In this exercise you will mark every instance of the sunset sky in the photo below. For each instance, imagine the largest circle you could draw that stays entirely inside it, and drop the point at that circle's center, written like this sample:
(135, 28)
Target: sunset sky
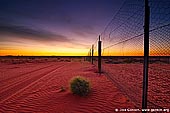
(52, 27)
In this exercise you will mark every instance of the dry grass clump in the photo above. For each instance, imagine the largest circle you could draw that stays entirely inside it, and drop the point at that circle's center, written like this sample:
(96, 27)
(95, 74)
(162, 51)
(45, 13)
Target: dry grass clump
(80, 86)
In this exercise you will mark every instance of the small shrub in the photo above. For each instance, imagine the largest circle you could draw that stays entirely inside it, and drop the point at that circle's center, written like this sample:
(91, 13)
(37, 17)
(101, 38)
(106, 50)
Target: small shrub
(80, 86)
(62, 88)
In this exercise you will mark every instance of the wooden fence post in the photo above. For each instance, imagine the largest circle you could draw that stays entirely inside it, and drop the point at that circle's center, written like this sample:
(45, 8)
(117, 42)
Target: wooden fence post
(92, 51)
(99, 55)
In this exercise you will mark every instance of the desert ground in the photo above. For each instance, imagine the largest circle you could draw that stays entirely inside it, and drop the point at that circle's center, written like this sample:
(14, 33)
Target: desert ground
(128, 78)
(36, 85)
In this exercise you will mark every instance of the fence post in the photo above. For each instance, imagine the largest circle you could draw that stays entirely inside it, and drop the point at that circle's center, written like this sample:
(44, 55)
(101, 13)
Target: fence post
(99, 55)
(90, 56)
(92, 51)
(146, 55)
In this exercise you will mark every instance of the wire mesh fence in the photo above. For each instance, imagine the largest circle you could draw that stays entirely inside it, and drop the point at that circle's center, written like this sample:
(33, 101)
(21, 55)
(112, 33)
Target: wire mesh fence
(123, 51)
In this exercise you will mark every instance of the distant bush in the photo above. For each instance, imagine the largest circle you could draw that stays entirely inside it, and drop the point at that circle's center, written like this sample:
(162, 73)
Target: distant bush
(80, 86)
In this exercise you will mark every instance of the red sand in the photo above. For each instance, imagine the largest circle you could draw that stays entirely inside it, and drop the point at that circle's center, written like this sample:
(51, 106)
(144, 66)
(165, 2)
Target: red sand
(128, 78)
(36, 87)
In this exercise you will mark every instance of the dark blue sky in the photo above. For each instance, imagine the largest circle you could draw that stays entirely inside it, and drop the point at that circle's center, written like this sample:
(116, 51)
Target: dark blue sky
(54, 23)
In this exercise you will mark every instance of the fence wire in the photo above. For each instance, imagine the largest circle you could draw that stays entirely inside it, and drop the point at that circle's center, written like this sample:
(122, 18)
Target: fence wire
(123, 50)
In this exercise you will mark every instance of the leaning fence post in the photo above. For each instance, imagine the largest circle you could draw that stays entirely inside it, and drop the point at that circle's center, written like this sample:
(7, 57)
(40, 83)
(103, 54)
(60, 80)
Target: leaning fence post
(99, 55)
(92, 51)
(146, 55)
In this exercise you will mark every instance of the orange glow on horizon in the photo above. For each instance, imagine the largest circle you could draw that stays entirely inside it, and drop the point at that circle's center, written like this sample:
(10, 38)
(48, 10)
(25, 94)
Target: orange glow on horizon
(73, 52)
(43, 53)
(76, 51)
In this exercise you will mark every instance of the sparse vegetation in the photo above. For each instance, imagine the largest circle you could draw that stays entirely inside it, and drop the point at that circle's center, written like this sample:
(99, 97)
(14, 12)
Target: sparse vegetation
(80, 86)
(62, 89)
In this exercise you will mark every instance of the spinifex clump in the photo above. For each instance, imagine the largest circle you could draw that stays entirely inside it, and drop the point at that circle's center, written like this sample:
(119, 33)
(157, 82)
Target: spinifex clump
(80, 86)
